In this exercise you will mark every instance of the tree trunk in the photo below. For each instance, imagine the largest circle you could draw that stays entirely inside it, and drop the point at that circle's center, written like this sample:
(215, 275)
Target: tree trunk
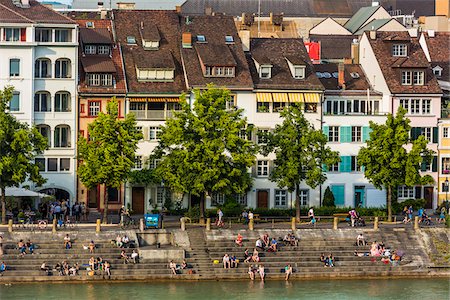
(3, 205)
(297, 203)
(202, 208)
(105, 206)
(389, 203)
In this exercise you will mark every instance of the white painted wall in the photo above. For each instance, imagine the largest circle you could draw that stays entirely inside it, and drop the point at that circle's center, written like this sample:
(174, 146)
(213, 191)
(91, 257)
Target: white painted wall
(329, 27)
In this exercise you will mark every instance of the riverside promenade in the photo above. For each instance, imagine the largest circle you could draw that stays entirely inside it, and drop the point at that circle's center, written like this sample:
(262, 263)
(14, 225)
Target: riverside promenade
(426, 251)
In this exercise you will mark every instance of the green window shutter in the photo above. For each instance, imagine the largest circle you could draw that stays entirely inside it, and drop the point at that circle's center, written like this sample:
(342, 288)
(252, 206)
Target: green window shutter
(345, 134)
(326, 130)
(435, 135)
(339, 194)
(415, 133)
(346, 162)
(434, 164)
(366, 130)
(423, 166)
(324, 168)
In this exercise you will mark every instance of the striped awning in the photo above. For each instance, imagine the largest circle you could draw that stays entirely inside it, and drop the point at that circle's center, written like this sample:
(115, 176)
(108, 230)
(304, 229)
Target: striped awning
(296, 97)
(312, 97)
(138, 99)
(155, 99)
(264, 97)
(280, 97)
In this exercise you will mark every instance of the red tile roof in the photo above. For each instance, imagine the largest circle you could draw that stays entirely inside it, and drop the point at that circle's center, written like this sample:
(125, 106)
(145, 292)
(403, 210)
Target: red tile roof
(439, 49)
(97, 64)
(36, 13)
(96, 35)
(391, 66)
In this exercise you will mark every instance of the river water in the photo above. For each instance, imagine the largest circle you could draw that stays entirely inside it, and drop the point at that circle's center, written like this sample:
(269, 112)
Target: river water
(423, 289)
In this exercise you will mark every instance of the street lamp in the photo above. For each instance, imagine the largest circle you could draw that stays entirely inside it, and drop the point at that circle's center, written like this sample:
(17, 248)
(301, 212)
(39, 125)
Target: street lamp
(446, 188)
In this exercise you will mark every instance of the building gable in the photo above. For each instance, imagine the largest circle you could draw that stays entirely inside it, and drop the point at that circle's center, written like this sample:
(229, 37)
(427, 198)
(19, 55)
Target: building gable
(329, 27)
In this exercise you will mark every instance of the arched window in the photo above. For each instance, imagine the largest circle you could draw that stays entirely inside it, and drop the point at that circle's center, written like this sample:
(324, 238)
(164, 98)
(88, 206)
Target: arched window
(62, 136)
(42, 68)
(62, 102)
(42, 101)
(63, 68)
(45, 131)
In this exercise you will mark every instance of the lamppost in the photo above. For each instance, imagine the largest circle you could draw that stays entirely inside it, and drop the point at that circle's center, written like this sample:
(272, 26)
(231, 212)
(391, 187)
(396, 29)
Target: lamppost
(446, 188)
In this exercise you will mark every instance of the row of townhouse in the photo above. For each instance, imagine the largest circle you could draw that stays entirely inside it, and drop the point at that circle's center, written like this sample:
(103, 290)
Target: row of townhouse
(148, 59)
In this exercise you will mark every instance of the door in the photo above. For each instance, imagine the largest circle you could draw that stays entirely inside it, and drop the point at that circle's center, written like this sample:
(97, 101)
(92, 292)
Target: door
(359, 196)
(428, 196)
(263, 199)
(93, 198)
(138, 200)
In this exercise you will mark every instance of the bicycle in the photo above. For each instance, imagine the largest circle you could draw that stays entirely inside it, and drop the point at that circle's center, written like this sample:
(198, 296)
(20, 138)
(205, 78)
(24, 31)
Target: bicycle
(128, 223)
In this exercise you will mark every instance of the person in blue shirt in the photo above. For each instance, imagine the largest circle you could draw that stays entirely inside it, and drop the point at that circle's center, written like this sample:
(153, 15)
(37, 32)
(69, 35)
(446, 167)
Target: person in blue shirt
(2, 268)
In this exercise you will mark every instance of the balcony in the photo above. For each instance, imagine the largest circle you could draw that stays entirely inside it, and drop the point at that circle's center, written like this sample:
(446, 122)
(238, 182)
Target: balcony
(152, 114)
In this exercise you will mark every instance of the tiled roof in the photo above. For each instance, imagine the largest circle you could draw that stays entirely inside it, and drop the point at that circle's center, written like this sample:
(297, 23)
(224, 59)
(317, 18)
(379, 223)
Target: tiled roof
(95, 36)
(357, 82)
(127, 23)
(416, 7)
(139, 4)
(97, 64)
(391, 66)
(334, 46)
(36, 13)
(115, 59)
(375, 24)
(215, 52)
(361, 16)
(278, 50)
(439, 49)
(149, 32)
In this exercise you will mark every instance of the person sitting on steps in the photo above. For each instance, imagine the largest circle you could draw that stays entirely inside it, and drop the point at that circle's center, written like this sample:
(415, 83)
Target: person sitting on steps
(67, 242)
(239, 240)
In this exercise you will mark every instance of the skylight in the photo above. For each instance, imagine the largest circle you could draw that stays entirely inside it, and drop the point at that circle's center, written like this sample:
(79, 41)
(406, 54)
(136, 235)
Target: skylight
(229, 39)
(201, 39)
(131, 40)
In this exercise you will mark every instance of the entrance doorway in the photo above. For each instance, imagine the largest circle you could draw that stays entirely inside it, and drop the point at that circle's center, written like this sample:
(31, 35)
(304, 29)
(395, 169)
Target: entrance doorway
(93, 198)
(59, 194)
(137, 199)
(359, 196)
(263, 199)
(428, 196)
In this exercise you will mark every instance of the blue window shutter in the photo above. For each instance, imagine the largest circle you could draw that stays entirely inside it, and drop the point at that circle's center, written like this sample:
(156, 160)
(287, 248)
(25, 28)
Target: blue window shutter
(339, 194)
(345, 164)
(366, 133)
(435, 135)
(326, 130)
(345, 134)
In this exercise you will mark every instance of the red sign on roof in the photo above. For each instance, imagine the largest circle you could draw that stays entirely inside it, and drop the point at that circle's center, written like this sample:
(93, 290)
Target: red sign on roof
(313, 50)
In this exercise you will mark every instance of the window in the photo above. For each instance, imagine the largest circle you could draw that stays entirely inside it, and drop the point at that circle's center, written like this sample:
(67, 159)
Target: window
(229, 39)
(418, 77)
(406, 78)
(405, 104)
(262, 107)
(90, 49)
(261, 137)
(265, 72)
(354, 167)
(399, 50)
(208, 71)
(62, 136)
(94, 108)
(241, 199)
(356, 133)
(103, 50)
(155, 74)
(217, 199)
(14, 104)
(89, 24)
(280, 198)
(93, 79)
(138, 162)
(62, 102)
(162, 194)
(154, 163)
(426, 106)
(42, 68)
(437, 71)
(43, 35)
(154, 133)
(139, 129)
(52, 164)
(445, 165)
(42, 102)
(333, 134)
(299, 72)
(405, 192)
(304, 197)
(62, 35)
(131, 40)
(14, 67)
(310, 107)
(262, 168)
(64, 164)
(106, 79)
(445, 132)
(427, 133)
(218, 71)
(12, 34)
(334, 167)
(62, 68)
(201, 39)
(40, 162)
(44, 130)
(415, 106)
(340, 107)
(279, 106)
(113, 194)
(229, 71)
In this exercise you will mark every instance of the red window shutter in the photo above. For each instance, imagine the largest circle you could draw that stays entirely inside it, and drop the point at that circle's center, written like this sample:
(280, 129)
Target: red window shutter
(82, 108)
(23, 34)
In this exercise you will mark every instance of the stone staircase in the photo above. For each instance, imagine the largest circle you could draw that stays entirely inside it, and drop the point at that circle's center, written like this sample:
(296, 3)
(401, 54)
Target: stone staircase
(198, 254)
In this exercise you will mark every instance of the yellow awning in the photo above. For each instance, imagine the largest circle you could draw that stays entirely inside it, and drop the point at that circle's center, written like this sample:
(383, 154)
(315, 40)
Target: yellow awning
(296, 97)
(312, 97)
(280, 97)
(155, 99)
(264, 97)
(138, 99)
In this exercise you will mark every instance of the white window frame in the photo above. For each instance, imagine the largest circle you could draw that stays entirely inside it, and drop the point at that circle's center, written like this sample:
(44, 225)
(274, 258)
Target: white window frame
(39, 70)
(64, 64)
(154, 163)
(15, 95)
(60, 142)
(61, 168)
(63, 97)
(90, 49)
(93, 79)
(356, 134)
(103, 49)
(94, 108)
(399, 50)
(138, 162)
(14, 74)
(14, 34)
(60, 37)
(39, 96)
(299, 72)
(281, 198)
(427, 132)
(333, 134)
(304, 197)
(418, 77)
(445, 132)
(426, 106)
(261, 140)
(334, 168)
(153, 133)
(405, 192)
(407, 78)
(262, 168)
(263, 70)
(354, 167)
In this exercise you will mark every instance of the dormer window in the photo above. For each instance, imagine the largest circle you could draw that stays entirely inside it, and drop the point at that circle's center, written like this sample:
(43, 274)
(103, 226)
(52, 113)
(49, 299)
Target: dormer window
(131, 40)
(90, 49)
(265, 72)
(229, 39)
(155, 74)
(399, 50)
(413, 77)
(201, 39)
(437, 71)
(150, 45)
(299, 72)
(89, 24)
(213, 71)
(297, 66)
(103, 49)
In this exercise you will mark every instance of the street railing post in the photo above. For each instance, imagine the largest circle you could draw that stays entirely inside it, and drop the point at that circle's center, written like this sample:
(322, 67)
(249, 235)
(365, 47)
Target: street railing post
(98, 226)
(335, 223)
(208, 224)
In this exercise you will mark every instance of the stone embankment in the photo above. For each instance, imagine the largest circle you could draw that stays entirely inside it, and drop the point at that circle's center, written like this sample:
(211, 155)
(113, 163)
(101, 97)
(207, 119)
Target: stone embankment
(426, 254)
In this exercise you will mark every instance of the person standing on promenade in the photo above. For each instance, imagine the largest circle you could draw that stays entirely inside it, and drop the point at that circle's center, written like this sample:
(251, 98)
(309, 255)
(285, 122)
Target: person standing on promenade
(1, 245)
(220, 216)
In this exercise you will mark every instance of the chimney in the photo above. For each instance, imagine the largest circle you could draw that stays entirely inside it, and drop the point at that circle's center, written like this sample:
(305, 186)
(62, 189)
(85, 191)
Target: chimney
(245, 38)
(355, 52)
(100, 5)
(186, 40)
(178, 8)
(341, 80)
(208, 11)
(271, 18)
(373, 35)
(25, 3)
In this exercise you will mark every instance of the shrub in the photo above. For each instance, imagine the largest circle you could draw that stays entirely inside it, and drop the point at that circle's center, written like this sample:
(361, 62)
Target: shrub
(328, 198)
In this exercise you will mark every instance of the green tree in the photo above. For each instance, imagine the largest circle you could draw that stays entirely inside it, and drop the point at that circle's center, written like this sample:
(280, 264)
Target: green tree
(107, 158)
(300, 151)
(328, 198)
(19, 145)
(202, 149)
(387, 162)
